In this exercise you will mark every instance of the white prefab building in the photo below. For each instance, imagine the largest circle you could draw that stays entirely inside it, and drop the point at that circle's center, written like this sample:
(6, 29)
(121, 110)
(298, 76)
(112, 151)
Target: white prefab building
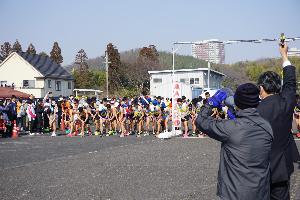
(35, 74)
(193, 81)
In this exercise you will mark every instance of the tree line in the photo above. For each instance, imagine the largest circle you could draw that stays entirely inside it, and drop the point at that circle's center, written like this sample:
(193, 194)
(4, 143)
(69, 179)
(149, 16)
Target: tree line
(126, 78)
(6, 49)
(128, 71)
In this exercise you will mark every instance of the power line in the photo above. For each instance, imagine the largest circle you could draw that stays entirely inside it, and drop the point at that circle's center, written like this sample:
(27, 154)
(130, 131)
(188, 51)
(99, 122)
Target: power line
(288, 39)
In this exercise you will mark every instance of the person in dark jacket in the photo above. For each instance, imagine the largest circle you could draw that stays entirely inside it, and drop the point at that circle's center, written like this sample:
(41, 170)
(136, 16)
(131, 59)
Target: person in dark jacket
(39, 110)
(277, 107)
(244, 169)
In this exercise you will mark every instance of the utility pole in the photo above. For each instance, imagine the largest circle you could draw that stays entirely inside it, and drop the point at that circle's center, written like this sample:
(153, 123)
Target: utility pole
(106, 66)
(208, 74)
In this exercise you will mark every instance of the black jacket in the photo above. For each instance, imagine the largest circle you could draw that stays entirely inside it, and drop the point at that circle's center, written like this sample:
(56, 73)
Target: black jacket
(244, 170)
(278, 110)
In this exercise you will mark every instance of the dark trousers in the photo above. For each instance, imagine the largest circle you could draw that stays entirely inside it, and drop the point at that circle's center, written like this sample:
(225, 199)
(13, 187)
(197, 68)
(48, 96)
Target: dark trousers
(39, 123)
(31, 124)
(46, 121)
(280, 191)
(59, 113)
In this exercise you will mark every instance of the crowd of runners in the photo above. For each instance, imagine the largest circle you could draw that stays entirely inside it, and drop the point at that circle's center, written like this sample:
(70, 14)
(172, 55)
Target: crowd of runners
(142, 115)
(73, 116)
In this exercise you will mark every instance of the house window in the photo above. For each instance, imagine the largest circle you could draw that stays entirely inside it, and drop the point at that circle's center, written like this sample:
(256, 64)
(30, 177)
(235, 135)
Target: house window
(3, 83)
(183, 80)
(29, 83)
(196, 80)
(49, 83)
(192, 81)
(69, 85)
(157, 80)
(58, 85)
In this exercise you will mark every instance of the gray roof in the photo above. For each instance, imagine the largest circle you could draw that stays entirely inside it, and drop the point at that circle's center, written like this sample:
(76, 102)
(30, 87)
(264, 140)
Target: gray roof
(46, 66)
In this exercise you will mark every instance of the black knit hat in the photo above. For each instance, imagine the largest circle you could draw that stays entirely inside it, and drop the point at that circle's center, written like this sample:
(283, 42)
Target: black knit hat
(246, 96)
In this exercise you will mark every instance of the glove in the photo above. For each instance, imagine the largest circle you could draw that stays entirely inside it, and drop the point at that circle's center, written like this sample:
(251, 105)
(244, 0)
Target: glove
(216, 100)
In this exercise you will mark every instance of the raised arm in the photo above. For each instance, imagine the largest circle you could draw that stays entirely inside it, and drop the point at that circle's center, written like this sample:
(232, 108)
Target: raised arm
(289, 78)
(214, 128)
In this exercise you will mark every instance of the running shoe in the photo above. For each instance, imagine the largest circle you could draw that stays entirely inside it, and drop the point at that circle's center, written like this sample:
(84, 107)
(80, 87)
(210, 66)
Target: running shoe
(81, 134)
(69, 135)
(146, 133)
(53, 134)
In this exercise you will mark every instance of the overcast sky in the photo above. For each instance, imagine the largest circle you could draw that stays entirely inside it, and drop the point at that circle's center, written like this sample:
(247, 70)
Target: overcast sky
(128, 24)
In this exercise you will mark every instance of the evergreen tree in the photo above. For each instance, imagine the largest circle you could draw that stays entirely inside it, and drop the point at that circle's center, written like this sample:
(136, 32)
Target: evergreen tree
(80, 60)
(5, 50)
(31, 49)
(17, 47)
(55, 54)
(114, 68)
(84, 79)
(43, 53)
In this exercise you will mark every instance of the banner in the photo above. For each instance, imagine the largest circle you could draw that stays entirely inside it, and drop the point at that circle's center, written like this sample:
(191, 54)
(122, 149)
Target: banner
(176, 120)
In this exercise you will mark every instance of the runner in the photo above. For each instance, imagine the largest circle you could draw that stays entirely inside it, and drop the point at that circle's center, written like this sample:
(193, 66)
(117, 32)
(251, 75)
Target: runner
(138, 117)
(184, 114)
(52, 117)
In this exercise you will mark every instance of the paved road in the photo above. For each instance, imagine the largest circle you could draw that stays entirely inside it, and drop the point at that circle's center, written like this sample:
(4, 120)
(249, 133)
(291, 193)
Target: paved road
(41, 167)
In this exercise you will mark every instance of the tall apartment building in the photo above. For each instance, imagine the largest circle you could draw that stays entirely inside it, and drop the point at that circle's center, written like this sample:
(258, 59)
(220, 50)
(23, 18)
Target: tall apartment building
(211, 51)
(294, 52)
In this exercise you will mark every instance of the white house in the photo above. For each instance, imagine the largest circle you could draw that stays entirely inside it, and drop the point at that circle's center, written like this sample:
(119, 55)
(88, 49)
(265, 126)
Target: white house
(193, 81)
(35, 74)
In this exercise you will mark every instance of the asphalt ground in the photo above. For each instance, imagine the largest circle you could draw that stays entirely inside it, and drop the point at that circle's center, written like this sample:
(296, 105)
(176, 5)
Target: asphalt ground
(42, 167)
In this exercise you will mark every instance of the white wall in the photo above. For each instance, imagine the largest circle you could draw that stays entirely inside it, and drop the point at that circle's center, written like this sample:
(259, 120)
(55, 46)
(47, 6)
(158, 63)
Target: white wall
(15, 70)
(165, 87)
(64, 87)
(165, 90)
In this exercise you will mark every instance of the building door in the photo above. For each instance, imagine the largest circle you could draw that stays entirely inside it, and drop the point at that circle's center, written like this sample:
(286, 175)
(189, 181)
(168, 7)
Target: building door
(196, 92)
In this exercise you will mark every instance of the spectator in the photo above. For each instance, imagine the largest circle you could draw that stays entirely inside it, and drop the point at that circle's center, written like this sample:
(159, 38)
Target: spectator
(277, 107)
(244, 170)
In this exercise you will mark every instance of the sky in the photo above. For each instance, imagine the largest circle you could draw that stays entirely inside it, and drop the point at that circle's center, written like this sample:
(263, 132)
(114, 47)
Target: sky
(130, 24)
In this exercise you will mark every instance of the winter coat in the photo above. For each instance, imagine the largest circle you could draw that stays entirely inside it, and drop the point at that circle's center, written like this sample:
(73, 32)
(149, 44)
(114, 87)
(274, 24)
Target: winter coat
(244, 169)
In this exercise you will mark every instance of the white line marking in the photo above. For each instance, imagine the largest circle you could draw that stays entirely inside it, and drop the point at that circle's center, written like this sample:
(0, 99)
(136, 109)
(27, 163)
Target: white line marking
(192, 137)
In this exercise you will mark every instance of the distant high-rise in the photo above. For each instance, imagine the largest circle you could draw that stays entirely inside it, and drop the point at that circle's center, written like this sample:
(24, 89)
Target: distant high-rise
(294, 52)
(210, 50)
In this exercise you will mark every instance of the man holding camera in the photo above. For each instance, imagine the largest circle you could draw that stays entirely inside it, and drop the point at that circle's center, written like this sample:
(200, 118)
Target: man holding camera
(244, 169)
(277, 107)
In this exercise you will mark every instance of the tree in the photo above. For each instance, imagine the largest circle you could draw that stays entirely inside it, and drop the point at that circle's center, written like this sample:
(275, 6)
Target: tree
(31, 49)
(5, 50)
(55, 54)
(84, 79)
(43, 53)
(147, 60)
(81, 60)
(114, 71)
(253, 72)
(17, 47)
(100, 79)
